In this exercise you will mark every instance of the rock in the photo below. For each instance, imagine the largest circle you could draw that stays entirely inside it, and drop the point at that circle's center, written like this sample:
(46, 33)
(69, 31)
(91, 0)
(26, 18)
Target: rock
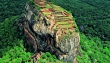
(53, 31)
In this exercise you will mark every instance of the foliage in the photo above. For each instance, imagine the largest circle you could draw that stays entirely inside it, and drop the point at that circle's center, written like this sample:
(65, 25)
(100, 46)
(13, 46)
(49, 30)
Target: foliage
(48, 58)
(93, 51)
(10, 8)
(11, 43)
(8, 30)
(16, 55)
(11, 46)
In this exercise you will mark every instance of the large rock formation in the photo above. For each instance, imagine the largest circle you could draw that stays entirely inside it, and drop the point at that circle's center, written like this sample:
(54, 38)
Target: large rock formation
(49, 27)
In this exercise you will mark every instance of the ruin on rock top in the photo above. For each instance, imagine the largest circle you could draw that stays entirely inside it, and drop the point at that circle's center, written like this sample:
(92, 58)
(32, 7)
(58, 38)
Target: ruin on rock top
(50, 28)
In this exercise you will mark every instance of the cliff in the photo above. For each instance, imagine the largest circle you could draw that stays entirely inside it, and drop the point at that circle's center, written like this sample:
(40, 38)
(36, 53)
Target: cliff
(46, 24)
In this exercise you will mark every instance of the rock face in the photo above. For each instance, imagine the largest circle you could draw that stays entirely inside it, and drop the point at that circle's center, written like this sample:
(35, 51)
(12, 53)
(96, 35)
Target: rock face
(48, 27)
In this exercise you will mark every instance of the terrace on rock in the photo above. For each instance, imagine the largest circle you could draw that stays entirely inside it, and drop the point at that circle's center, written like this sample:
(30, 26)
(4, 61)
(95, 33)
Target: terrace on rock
(52, 27)
(61, 21)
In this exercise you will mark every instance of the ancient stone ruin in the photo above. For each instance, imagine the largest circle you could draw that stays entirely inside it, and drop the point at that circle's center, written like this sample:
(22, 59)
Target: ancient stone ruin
(48, 27)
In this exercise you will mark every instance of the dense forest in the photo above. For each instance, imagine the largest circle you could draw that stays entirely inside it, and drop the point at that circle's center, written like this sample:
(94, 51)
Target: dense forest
(11, 44)
(91, 16)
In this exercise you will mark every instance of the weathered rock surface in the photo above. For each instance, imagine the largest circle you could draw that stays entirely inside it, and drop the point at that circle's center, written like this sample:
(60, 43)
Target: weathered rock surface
(50, 28)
